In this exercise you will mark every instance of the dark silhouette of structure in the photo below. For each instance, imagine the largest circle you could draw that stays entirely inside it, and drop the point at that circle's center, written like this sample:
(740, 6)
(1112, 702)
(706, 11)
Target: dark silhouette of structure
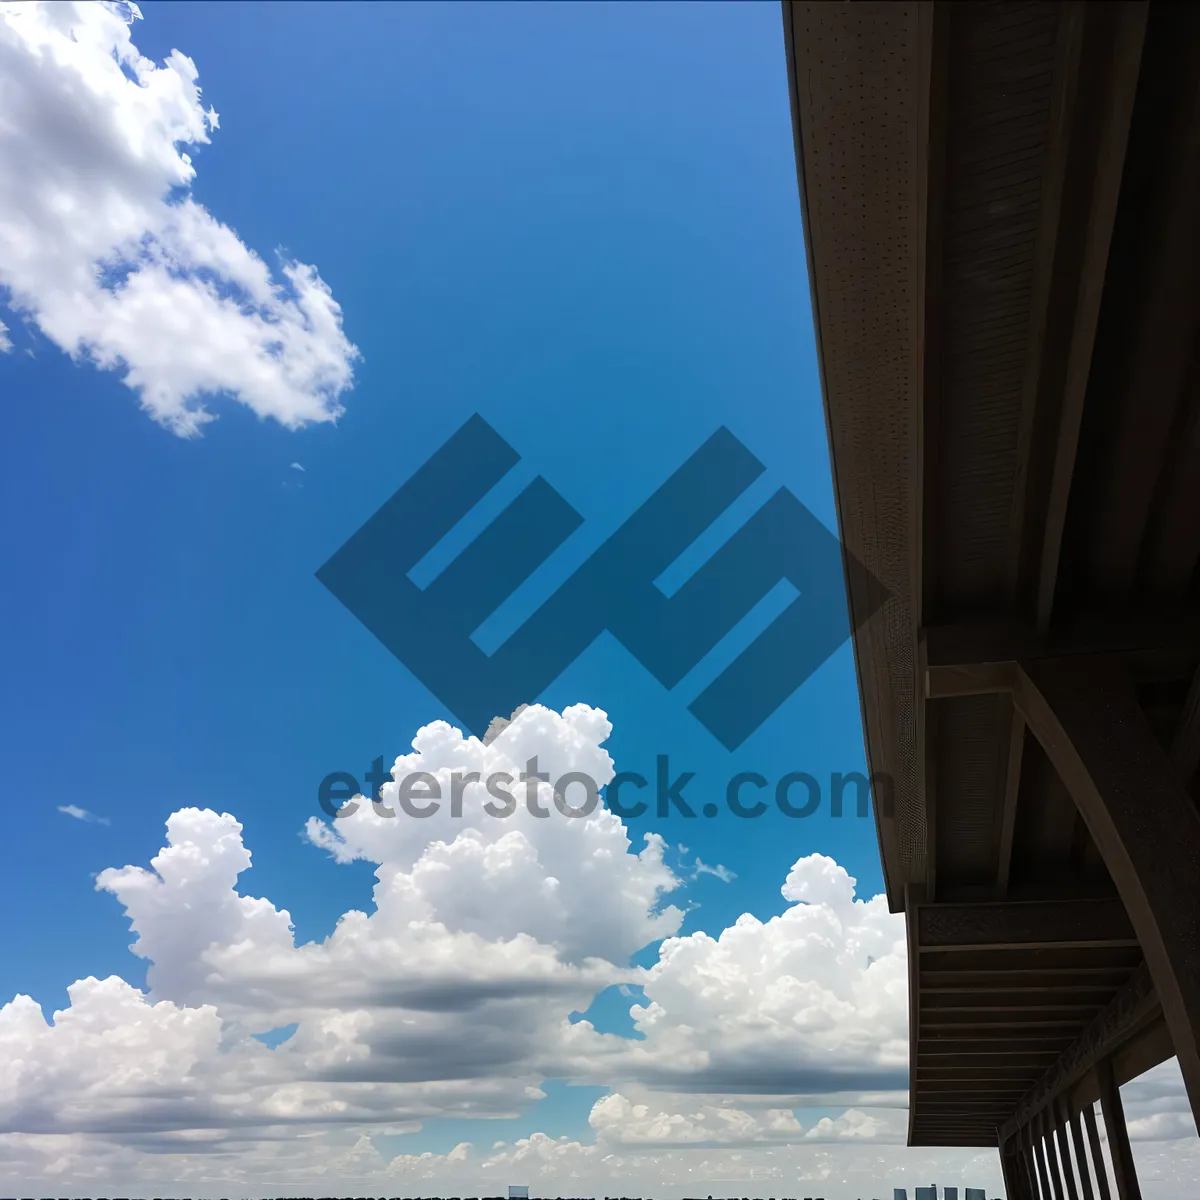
(1002, 216)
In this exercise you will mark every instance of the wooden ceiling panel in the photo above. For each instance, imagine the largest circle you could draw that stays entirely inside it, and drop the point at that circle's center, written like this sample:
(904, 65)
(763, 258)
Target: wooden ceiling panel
(1002, 216)
(998, 104)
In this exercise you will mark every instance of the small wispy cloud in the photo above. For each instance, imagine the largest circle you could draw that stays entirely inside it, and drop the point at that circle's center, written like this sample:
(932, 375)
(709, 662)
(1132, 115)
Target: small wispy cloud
(297, 467)
(724, 874)
(82, 814)
(5, 340)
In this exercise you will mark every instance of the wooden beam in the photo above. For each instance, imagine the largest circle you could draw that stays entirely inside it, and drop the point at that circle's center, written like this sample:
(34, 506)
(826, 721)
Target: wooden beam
(1142, 819)
(1131, 1010)
(963, 1115)
(979, 679)
(914, 894)
(946, 1107)
(1008, 787)
(1002, 1036)
(976, 658)
(1033, 1064)
(966, 643)
(1020, 963)
(1010, 992)
(1185, 747)
(933, 46)
(1065, 85)
(995, 1093)
(866, 335)
(932, 70)
(1044, 1050)
(979, 1009)
(1013, 924)
(1016, 1073)
(1124, 1169)
(927, 748)
(982, 1125)
(1158, 317)
(1044, 979)
(1069, 990)
(981, 1134)
(1101, 136)
(1174, 541)
(936, 1139)
(1009, 1025)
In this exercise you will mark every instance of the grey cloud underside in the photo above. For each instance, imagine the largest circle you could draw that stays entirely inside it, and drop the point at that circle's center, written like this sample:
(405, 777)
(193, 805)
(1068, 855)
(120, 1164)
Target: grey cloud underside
(775, 1080)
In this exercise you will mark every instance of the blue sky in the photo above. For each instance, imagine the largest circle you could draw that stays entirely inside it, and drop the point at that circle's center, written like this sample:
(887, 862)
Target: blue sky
(580, 221)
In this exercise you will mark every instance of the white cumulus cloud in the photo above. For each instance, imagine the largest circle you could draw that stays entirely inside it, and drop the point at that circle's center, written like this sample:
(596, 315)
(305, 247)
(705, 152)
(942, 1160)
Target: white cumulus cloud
(771, 1057)
(104, 249)
(812, 1002)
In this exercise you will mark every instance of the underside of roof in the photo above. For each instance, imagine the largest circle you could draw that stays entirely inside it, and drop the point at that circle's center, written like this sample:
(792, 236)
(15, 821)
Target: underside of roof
(1002, 216)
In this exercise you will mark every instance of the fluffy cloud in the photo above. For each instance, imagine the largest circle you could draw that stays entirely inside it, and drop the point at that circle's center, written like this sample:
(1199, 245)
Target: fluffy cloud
(452, 998)
(104, 249)
(567, 882)
(772, 1054)
(809, 1003)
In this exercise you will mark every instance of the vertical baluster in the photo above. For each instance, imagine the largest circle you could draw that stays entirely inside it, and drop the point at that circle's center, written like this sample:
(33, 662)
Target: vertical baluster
(1039, 1152)
(1085, 1178)
(1030, 1165)
(1101, 1171)
(1047, 1123)
(1064, 1154)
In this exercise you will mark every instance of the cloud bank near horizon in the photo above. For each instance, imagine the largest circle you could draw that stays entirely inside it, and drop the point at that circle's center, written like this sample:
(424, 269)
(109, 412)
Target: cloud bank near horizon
(775, 1051)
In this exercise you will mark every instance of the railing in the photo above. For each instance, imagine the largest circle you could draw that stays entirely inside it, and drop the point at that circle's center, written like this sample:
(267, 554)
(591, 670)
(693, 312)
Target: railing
(1057, 1154)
